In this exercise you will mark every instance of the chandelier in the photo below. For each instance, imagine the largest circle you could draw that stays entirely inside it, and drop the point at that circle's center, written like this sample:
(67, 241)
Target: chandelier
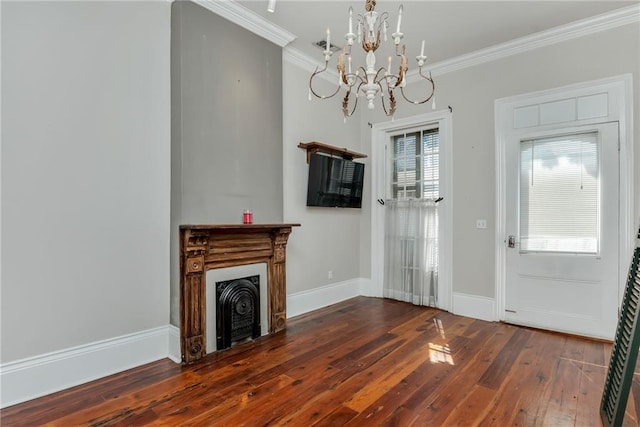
(368, 81)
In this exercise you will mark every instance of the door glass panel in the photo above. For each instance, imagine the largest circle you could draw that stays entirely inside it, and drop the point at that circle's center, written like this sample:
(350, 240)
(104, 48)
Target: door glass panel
(559, 194)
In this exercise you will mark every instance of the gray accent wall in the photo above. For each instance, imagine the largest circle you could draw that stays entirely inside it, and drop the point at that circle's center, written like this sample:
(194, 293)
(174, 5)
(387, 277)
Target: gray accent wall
(226, 120)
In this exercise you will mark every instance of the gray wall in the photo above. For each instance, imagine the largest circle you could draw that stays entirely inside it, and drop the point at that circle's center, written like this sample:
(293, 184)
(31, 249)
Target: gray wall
(85, 173)
(226, 140)
(472, 92)
(330, 238)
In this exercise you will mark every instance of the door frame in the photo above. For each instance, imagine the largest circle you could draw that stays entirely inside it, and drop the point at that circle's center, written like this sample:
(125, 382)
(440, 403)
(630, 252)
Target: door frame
(515, 116)
(380, 136)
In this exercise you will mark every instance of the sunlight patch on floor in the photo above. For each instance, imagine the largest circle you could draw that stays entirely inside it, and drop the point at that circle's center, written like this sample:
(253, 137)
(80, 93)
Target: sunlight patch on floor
(440, 354)
(439, 328)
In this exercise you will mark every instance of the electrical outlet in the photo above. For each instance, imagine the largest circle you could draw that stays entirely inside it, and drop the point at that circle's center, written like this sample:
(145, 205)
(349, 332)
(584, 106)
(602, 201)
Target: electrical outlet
(330, 274)
(481, 223)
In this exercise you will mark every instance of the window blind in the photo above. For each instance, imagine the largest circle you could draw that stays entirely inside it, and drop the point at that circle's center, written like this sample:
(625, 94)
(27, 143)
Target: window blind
(416, 165)
(559, 194)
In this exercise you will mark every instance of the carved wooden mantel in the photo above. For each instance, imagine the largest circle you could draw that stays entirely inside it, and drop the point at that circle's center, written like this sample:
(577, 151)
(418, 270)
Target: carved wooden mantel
(205, 247)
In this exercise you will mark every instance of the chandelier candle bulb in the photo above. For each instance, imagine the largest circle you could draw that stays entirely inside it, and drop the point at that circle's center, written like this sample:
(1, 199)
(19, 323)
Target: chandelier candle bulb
(350, 20)
(349, 64)
(389, 66)
(399, 19)
(422, 49)
(328, 40)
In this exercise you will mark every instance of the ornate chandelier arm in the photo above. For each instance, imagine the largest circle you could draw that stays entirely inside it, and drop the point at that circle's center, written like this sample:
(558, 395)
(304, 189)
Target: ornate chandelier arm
(433, 89)
(348, 78)
(311, 84)
(390, 80)
(380, 78)
(345, 103)
(392, 101)
(402, 68)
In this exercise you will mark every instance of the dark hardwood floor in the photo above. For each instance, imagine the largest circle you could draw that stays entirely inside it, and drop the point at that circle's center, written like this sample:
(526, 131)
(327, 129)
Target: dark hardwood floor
(363, 362)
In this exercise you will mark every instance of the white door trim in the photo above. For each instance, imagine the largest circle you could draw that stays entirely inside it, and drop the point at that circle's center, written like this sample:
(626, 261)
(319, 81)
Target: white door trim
(620, 108)
(380, 135)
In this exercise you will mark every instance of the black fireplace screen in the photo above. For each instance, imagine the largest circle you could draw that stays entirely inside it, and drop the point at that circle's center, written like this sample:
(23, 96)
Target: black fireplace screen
(237, 311)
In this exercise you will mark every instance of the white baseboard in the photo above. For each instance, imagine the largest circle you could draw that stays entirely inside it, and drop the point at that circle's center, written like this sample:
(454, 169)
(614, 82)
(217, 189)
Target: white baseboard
(474, 306)
(367, 288)
(37, 376)
(306, 301)
(174, 344)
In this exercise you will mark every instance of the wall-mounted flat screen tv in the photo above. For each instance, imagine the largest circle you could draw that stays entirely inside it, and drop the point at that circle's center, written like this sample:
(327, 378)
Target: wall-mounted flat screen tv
(334, 182)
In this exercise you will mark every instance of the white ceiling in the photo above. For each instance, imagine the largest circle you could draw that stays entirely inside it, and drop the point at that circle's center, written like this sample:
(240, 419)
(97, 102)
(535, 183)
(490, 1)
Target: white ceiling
(451, 28)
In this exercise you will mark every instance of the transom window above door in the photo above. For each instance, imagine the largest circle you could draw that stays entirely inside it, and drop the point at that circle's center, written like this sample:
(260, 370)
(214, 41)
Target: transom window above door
(416, 165)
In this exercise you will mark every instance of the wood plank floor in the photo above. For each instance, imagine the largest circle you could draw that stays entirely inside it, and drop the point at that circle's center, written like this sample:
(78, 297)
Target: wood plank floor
(362, 362)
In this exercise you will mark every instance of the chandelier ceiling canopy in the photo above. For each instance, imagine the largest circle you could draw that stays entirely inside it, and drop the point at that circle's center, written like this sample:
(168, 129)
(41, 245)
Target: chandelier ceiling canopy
(369, 80)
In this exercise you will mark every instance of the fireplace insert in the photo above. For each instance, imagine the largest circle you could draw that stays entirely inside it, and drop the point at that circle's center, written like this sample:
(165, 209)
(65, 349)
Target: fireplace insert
(237, 311)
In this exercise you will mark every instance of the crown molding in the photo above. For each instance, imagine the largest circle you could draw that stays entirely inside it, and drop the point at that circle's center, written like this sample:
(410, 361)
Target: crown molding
(584, 27)
(255, 23)
(249, 20)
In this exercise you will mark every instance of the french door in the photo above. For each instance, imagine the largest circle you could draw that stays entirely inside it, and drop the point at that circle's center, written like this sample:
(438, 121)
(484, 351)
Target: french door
(387, 184)
(562, 245)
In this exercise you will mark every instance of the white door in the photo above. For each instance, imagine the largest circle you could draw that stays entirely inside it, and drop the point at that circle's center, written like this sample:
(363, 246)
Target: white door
(562, 198)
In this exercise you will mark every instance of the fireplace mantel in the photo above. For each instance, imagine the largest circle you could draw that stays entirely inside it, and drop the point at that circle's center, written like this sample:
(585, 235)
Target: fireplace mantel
(206, 247)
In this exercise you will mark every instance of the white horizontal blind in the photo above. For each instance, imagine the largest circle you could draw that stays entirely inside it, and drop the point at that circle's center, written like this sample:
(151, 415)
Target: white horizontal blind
(430, 164)
(404, 178)
(416, 165)
(559, 194)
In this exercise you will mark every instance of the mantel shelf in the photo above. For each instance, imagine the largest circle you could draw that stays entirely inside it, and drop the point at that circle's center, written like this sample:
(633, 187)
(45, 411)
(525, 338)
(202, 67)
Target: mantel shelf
(319, 147)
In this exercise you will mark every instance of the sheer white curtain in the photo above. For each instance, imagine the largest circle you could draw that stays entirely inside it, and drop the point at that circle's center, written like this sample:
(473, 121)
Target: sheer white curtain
(411, 251)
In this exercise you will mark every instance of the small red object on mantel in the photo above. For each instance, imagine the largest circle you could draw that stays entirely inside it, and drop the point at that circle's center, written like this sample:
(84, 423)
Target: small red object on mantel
(247, 217)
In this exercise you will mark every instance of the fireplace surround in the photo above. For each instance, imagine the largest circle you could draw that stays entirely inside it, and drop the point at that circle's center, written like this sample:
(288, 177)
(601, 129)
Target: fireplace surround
(207, 247)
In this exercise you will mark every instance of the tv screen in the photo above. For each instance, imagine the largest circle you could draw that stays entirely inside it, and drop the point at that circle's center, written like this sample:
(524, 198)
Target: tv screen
(334, 182)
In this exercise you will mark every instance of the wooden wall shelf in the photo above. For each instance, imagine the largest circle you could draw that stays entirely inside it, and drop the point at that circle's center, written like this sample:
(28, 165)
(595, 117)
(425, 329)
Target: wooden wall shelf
(319, 147)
